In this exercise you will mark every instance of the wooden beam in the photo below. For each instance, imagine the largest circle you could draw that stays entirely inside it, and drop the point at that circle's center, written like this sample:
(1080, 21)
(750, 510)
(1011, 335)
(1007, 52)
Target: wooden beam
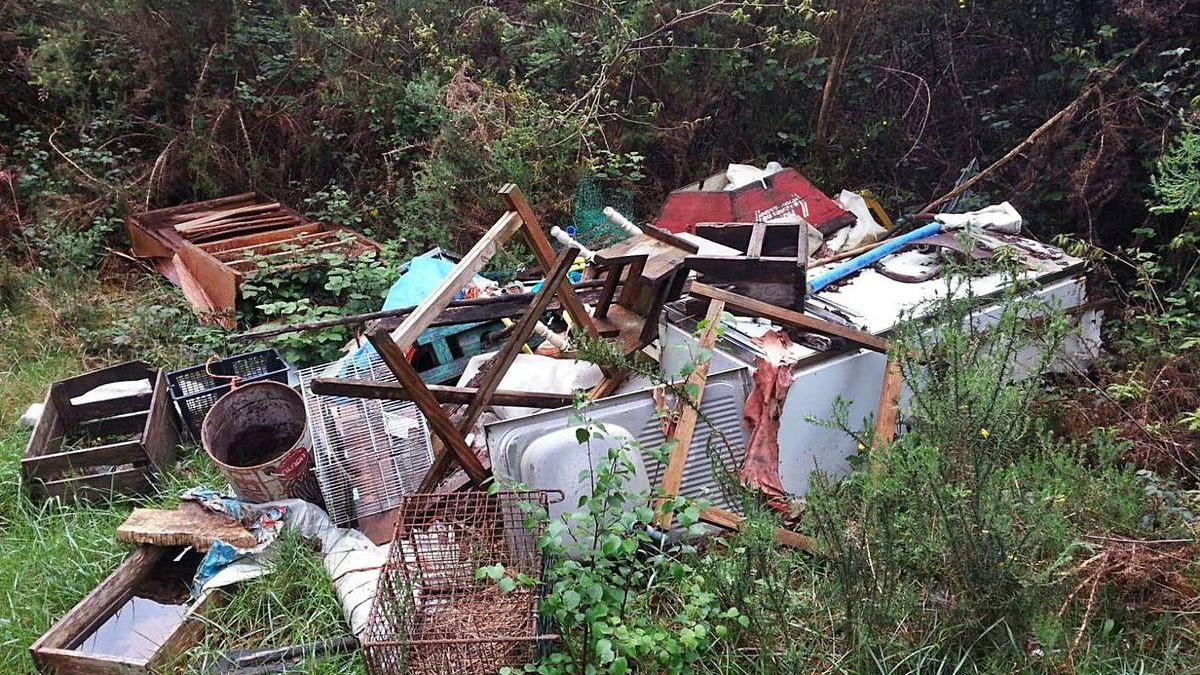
(393, 357)
(886, 416)
(790, 318)
(544, 253)
(470, 264)
(689, 413)
(502, 361)
(732, 521)
(470, 310)
(392, 391)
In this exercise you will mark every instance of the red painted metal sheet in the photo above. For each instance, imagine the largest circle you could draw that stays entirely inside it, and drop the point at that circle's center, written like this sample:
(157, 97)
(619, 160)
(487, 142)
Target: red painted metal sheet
(779, 194)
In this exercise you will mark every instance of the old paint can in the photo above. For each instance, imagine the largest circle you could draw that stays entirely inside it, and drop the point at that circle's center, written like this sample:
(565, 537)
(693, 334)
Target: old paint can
(257, 435)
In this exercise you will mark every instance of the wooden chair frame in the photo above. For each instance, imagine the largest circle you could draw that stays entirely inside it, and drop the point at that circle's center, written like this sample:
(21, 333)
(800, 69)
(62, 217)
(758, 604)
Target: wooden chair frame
(391, 347)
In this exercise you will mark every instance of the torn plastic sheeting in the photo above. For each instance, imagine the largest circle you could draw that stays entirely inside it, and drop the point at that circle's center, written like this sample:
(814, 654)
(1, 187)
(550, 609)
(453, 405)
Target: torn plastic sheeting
(420, 277)
(350, 559)
(864, 231)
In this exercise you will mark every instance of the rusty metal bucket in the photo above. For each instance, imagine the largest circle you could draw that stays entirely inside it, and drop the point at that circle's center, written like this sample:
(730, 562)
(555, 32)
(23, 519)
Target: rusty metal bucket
(257, 435)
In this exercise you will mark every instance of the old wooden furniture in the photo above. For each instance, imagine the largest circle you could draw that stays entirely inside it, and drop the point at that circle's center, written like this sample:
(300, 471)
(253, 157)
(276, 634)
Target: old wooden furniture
(649, 269)
(773, 269)
(95, 449)
(391, 346)
(138, 620)
(208, 248)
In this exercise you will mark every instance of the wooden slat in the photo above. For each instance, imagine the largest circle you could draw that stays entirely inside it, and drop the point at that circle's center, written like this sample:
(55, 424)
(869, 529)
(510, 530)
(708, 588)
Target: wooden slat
(110, 407)
(192, 225)
(393, 357)
(790, 318)
(689, 413)
(127, 481)
(502, 361)
(758, 234)
(274, 237)
(887, 414)
(50, 466)
(161, 436)
(732, 521)
(392, 391)
(132, 423)
(467, 267)
(544, 253)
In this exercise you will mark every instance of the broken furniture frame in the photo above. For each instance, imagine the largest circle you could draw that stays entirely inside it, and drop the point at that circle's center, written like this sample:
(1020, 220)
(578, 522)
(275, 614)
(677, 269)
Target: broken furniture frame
(207, 248)
(58, 649)
(519, 218)
(680, 441)
(778, 278)
(125, 467)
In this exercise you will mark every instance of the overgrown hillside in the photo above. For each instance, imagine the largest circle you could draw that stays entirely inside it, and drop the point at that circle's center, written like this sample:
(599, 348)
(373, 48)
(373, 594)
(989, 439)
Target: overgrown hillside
(1050, 530)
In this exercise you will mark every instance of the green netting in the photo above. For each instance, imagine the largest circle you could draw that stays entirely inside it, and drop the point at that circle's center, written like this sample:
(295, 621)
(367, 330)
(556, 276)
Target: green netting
(592, 229)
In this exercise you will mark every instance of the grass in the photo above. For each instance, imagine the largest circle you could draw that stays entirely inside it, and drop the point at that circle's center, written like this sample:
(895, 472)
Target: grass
(53, 554)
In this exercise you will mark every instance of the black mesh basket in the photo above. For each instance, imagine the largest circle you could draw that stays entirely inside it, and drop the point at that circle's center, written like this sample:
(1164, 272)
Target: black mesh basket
(195, 391)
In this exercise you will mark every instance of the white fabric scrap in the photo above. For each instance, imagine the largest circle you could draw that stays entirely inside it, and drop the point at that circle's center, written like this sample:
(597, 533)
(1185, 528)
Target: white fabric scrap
(1002, 218)
(351, 560)
(537, 373)
(104, 392)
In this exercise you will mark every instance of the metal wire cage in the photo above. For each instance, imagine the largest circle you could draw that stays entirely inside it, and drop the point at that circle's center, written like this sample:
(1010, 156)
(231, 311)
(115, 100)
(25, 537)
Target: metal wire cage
(367, 454)
(433, 612)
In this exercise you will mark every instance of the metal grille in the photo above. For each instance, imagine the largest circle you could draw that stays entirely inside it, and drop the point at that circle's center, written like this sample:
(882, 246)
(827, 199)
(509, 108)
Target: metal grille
(431, 613)
(367, 453)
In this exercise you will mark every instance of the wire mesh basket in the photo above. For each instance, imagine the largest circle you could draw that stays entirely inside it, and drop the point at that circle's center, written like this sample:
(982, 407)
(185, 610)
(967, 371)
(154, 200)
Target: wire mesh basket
(367, 453)
(433, 613)
(196, 388)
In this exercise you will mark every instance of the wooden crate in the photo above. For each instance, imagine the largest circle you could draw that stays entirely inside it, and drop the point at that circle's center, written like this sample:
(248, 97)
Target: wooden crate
(149, 572)
(209, 266)
(125, 467)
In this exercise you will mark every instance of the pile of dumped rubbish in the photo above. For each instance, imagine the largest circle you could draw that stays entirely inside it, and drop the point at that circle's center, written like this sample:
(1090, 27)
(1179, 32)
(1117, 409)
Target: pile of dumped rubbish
(753, 300)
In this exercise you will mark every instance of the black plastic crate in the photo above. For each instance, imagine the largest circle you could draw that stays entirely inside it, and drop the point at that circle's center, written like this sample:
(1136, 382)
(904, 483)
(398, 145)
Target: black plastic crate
(195, 390)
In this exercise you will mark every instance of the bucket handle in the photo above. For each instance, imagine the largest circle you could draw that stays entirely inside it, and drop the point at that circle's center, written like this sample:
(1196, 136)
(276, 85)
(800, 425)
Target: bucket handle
(234, 380)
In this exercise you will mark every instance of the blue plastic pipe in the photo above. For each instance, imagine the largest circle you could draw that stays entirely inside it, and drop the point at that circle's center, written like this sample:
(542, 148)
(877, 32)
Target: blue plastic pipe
(885, 249)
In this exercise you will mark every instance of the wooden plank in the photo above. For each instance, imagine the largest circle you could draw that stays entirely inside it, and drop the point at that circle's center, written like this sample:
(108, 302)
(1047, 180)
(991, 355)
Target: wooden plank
(51, 466)
(689, 413)
(99, 603)
(102, 486)
(160, 438)
(790, 318)
(393, 357)
(732, 521)
(111, 407)
(192, 225)
(122, 372)
(544, 253)
(502, 361)
(131, 423)
(758, 234)
(392, 391)
(470, 264)
(887, 414)
(274, 237)
(189, 525)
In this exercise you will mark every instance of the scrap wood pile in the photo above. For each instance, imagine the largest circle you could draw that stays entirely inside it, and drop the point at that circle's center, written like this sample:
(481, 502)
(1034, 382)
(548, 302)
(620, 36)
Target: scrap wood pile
(397, 439)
